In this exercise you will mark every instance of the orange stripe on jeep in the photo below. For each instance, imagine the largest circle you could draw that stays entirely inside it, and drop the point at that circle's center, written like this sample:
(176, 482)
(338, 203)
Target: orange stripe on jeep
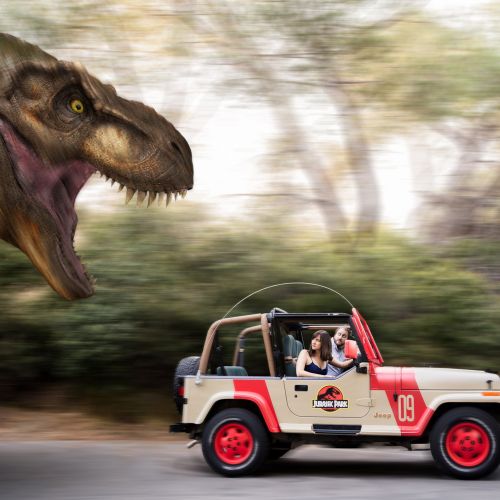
(256, 391)
(410, 411)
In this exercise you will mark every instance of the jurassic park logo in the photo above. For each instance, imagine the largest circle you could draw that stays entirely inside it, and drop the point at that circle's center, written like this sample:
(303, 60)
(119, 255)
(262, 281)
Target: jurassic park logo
(330, 398)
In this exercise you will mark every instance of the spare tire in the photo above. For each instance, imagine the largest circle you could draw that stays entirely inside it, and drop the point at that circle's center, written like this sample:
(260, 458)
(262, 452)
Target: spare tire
(186, 366)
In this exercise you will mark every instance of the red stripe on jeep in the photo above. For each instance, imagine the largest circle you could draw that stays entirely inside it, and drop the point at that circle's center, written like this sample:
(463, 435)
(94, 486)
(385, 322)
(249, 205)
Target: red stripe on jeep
(410, 411)
(256, 391)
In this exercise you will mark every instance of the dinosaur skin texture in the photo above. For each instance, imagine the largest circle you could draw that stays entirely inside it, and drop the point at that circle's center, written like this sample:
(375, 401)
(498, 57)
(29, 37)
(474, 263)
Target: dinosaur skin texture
(59, 125)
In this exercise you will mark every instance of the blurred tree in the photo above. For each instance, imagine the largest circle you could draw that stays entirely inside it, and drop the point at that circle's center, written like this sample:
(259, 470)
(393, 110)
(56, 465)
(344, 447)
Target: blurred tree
(399, 70)
(444, 80)
(374, 70)
(290, 50)
(164, 281)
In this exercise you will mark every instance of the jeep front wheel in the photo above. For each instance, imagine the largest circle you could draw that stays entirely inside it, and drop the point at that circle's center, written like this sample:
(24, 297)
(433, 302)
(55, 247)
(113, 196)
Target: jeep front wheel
(235, 442)
(464, 443)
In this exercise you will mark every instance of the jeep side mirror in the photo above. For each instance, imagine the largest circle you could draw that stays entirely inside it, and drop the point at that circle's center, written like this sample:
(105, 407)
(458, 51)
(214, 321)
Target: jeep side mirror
(350, 349)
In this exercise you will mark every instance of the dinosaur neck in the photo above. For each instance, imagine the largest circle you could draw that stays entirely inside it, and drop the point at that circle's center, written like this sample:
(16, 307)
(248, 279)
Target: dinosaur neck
(7, 184)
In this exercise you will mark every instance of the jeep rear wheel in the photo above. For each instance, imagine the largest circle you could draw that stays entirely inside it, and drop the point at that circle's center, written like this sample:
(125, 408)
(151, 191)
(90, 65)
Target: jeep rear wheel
(464, 443)
(235, 442)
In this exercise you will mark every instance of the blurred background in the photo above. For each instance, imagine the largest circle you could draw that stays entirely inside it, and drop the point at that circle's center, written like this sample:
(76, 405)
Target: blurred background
(352, 143)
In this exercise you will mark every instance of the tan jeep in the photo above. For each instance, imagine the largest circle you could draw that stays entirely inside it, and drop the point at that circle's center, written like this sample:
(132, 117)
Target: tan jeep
(255, 408)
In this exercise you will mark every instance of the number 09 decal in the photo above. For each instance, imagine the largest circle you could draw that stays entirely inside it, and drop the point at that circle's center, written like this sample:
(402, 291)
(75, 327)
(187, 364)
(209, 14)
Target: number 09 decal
(406, 408)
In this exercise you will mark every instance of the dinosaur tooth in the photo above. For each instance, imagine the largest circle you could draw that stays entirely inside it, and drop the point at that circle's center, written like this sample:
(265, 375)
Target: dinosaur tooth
(140, 197)
(160, 198)
(183, 193)
(175, 195)
(151, 197)
(169, 199)
(130, 195)
(112, 182)
(121, 188)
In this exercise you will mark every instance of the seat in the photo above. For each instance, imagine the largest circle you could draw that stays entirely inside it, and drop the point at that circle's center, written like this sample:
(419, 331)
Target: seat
(290, 353)
(298, 347)
(233, 371)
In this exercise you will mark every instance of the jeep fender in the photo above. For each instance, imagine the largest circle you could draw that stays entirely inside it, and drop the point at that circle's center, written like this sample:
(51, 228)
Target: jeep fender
(219, 396)
(254, 391)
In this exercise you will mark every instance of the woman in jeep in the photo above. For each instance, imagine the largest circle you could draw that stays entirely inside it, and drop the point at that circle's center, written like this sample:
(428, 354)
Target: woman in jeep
(314, 362)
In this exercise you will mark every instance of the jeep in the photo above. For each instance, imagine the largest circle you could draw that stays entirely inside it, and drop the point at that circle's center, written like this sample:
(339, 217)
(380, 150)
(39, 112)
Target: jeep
(247, 406)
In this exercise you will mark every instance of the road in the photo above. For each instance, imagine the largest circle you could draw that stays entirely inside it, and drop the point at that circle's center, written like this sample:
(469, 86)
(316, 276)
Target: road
(83, 470)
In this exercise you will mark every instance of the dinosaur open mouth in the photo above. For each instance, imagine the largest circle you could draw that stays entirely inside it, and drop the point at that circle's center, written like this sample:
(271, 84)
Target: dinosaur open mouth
(49, 218)
(52, 189)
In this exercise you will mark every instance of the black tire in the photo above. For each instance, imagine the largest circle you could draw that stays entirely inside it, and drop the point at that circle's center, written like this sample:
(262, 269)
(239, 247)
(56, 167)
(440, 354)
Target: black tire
(243, 429)
(464, 443)
(186, 366)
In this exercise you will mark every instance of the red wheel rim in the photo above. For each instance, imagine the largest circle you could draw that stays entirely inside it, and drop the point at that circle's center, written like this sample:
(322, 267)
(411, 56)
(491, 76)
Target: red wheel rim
(468, 444)
(233, 443)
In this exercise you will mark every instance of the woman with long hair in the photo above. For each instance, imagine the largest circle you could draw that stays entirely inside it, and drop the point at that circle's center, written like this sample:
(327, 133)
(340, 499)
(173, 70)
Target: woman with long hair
(314, 362)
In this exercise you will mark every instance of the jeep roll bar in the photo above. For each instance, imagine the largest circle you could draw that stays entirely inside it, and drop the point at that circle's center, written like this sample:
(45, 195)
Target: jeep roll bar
(209, 340)
(239, 348)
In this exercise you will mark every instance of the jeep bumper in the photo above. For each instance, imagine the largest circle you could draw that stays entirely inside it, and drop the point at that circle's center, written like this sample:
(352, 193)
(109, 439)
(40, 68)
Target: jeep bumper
(179, 427)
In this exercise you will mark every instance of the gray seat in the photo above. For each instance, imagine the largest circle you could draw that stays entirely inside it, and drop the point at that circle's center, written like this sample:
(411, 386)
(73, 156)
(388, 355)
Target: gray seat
(233, 371)
(298, 347)
(290, 353)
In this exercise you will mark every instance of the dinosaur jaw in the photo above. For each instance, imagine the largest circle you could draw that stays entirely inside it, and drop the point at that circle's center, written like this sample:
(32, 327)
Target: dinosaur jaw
(45, 229)
(41, 213)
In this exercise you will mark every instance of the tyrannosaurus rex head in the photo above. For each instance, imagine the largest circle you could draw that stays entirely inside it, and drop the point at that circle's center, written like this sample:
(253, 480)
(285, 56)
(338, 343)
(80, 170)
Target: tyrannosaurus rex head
(59, 125)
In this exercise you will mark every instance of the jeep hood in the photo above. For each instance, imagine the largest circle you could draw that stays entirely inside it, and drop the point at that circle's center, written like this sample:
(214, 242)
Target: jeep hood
(450, 379)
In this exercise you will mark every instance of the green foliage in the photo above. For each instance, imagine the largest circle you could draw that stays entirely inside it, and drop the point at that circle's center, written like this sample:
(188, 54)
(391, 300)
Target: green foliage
(429, 72)
(164, 280)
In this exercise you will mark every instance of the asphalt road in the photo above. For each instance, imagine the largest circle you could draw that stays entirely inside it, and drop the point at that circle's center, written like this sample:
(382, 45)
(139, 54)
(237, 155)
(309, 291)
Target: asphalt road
(83, 470)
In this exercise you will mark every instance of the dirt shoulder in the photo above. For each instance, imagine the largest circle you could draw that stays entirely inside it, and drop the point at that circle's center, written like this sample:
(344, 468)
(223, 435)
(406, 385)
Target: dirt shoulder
(34, 425)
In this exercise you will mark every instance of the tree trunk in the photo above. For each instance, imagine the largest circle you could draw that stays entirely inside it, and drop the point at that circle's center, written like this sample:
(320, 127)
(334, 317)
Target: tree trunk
(360, 162)
(456, 208)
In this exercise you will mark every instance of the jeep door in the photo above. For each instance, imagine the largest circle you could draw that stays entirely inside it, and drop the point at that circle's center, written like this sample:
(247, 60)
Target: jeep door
(346, 396)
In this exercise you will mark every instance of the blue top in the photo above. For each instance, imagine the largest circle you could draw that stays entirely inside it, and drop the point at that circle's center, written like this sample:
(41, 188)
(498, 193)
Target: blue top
(312, 367)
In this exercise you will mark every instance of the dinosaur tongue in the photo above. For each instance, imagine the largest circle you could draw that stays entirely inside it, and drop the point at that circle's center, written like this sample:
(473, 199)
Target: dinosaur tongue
(54, 187)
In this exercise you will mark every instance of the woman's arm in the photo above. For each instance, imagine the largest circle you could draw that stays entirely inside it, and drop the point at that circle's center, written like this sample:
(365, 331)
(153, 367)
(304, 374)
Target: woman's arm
(301, 365)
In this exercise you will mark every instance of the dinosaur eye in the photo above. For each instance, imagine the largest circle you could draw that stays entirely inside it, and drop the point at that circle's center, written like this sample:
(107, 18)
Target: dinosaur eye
(76, 106)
